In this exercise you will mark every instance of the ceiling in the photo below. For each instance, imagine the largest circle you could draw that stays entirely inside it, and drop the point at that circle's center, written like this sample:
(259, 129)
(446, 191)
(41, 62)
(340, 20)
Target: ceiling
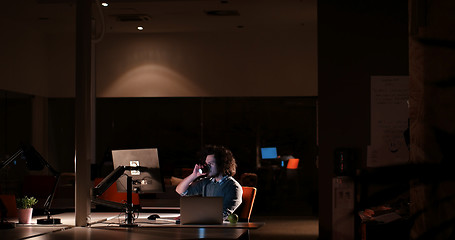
(123, 16)
(209, 15)
(260, 32)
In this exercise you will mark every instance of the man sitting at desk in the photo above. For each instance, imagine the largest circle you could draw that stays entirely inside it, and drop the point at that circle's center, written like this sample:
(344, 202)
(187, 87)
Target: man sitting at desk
(217, 181)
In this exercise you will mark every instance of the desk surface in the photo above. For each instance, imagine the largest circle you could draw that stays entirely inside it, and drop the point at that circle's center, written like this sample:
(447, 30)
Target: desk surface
(105, 225)
(109, 219)
(77, 233)
(167, 220)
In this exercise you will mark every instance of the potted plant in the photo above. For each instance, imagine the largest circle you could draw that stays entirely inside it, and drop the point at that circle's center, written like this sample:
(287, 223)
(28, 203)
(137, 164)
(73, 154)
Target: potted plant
(25, 209)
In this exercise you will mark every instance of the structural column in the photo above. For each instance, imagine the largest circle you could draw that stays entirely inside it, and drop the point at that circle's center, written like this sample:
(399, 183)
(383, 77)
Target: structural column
(432, 117)
(85, 104)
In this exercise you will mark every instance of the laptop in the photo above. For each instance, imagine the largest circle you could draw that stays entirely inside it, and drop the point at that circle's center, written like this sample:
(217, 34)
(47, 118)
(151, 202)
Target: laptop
(201, 210)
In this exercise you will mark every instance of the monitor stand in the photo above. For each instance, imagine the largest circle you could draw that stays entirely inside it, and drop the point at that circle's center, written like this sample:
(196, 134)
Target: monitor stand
(129, 204)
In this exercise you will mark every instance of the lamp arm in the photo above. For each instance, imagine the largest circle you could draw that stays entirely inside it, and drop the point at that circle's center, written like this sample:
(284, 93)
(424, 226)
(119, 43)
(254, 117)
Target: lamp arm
(35, 155)
(112, 177)
(44, 162)
(104, 185)
(12, 158)
(108, 181)
(99, 189)
(50, 198)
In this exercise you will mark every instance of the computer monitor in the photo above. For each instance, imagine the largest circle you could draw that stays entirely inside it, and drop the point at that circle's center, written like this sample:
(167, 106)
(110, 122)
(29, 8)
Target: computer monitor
(269, 153)
(146, 180)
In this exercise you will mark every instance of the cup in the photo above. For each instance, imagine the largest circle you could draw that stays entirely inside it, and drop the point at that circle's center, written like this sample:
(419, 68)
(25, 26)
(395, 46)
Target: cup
(204, 169)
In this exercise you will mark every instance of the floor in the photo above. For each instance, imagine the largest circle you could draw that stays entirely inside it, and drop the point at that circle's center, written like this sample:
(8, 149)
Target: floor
(286, 228)
(288, 213)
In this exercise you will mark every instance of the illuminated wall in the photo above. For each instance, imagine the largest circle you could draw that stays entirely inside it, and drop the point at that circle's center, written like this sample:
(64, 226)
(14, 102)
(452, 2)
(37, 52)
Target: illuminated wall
(207, 64)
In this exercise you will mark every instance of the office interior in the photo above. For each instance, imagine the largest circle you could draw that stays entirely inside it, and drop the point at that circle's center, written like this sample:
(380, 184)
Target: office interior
(295, 75)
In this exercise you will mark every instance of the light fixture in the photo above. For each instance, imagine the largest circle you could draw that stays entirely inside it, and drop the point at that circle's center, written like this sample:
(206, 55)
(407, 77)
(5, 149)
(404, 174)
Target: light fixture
(140, 28)
(104, 4)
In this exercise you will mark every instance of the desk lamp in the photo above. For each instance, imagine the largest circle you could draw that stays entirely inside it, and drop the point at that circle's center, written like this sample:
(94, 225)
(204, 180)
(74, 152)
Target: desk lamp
(34, 161)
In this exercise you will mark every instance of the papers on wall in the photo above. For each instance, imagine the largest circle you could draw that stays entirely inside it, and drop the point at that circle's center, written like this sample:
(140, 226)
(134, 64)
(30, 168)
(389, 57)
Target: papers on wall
(389, 120)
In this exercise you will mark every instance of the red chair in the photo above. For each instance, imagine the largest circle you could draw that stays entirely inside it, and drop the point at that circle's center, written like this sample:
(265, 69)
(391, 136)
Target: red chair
(9, 201)
(293, 163)
(112, 195)
(245, 209)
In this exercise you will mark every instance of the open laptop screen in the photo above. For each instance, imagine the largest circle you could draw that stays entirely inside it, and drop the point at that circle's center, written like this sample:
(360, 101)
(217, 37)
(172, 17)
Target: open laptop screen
(201, 210)
(269, 153)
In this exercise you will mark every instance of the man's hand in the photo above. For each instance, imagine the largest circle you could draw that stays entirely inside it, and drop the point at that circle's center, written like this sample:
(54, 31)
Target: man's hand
(185, 183)
(197, 171)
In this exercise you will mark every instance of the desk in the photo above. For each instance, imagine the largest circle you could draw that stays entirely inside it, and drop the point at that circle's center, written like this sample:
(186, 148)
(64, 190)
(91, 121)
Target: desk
(166, 220)
(22, 231)
(78, 233)
(104, 226)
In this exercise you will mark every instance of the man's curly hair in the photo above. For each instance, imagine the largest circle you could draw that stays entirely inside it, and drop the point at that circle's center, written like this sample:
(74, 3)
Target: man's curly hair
(224, 159)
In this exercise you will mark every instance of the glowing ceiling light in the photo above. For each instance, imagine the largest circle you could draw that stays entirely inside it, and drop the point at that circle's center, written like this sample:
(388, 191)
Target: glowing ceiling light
(140, 28)
(104, 4)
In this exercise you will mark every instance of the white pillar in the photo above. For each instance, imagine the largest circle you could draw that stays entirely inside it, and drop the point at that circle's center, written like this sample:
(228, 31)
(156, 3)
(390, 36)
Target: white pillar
(84, 108)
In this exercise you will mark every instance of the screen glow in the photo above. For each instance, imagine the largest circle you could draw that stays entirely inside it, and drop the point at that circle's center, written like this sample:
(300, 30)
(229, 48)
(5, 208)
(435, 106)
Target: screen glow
(269, 153)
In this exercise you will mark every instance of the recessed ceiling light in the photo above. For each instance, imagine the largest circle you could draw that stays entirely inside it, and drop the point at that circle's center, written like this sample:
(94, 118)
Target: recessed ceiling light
(140, 28)
(104, 4)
